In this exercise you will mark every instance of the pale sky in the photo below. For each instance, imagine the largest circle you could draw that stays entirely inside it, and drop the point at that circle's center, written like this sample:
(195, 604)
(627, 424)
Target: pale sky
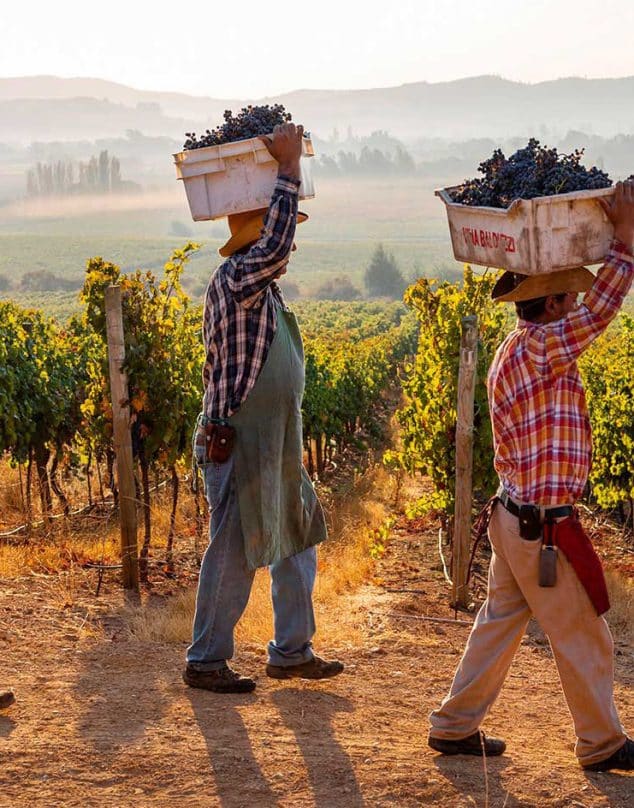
(247, 48)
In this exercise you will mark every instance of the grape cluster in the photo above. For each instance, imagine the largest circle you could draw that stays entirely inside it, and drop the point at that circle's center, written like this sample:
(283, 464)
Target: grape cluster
(249, 122)
(532, 171)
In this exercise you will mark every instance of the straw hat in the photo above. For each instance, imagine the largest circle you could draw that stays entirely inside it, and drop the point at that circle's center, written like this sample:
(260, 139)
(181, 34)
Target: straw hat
(245, 229)
(513, 287)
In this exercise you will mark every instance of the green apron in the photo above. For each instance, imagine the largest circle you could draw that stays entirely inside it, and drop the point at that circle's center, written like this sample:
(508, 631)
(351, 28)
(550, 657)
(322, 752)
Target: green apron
(279, 510)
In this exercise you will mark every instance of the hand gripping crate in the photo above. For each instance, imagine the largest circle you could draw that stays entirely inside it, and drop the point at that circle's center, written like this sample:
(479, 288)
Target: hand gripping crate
(531, 236)
(235, 177)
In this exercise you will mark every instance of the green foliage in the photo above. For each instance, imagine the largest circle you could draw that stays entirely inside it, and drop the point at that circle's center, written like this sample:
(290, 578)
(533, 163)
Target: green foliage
(428, 419)
(55, 391)
(164, 356)
(607, 373)
(38, 385)
(380, 538)
(352, 353)
(350, 321)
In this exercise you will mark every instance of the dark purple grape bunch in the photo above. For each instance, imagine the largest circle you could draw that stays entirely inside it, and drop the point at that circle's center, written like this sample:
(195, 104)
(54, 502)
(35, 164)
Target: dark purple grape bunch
(532, 171)
(250, 122)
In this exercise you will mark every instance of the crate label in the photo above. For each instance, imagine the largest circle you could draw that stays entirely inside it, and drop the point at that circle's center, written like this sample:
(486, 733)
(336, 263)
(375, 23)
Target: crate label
(489, 238)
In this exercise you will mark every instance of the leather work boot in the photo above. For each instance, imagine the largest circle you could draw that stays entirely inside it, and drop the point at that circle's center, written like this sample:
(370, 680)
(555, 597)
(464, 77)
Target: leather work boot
(471, 745)
(315, 668)
(622, 759)
(7, 698)
(222, 680)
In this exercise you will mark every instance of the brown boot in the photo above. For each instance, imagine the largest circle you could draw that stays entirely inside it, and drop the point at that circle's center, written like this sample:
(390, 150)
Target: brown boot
(315, 668)
(622, 759)
(7, 698)
(476, 744)
(222, 680)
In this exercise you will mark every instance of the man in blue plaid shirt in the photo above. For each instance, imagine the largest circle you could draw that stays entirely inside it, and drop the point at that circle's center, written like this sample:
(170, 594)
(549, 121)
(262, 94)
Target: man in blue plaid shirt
(264, 510)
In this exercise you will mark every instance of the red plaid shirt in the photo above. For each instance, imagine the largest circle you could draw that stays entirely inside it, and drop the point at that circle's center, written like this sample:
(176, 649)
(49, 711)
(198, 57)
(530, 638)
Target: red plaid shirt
(541, 429)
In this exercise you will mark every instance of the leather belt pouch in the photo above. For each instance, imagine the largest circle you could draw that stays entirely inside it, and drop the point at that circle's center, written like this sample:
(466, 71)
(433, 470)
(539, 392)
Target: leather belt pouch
(219, 441)
(573, 542)
(530, 522)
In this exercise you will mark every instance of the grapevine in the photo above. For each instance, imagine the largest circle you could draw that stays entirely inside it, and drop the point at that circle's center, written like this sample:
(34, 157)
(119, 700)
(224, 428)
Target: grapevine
(607, 373)
(428, 419)
(55, 396)
(164, 358)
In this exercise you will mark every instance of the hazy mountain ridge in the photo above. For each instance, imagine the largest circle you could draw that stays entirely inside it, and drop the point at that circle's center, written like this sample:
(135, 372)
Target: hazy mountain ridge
(52, 108)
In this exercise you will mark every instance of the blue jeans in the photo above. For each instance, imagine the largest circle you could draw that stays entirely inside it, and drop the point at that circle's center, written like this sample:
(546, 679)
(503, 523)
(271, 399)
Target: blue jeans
(225, 584)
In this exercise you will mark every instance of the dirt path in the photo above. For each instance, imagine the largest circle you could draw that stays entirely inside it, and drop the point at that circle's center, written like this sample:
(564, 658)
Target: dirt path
(104, 720)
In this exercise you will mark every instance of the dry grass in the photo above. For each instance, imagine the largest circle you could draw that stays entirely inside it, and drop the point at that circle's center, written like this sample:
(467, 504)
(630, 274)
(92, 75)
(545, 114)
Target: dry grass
(621, 614)
(58, 550)
(345, 563)
(92, 536)
(10, 496)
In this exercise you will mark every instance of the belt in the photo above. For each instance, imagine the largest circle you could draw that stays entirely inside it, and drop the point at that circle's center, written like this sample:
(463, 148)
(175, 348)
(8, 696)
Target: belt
(550, 513)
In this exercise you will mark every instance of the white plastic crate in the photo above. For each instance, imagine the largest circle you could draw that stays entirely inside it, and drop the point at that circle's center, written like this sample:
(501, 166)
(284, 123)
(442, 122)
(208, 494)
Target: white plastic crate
(235, 177)
(531, 236)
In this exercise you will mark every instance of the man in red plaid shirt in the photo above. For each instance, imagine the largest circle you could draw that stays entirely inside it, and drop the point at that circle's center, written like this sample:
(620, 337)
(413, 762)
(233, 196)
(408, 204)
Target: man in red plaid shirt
(542, 446)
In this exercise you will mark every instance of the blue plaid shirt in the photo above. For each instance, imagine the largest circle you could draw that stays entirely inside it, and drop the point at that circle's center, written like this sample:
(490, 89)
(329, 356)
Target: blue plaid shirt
(240, 318)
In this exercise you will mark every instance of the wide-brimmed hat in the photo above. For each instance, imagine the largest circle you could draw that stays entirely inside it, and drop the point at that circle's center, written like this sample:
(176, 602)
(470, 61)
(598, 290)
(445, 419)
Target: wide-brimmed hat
(245, 229)
(514, 287)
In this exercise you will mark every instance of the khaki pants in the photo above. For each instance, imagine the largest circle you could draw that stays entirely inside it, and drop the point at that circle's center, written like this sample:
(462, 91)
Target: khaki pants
(581, 643)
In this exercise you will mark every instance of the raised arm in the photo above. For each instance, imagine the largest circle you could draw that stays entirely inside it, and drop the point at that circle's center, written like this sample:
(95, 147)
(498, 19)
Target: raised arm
(563, 341)
(248, 275)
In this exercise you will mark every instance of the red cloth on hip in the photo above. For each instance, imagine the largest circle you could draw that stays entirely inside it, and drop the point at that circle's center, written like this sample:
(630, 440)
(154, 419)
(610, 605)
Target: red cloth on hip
(573, 542)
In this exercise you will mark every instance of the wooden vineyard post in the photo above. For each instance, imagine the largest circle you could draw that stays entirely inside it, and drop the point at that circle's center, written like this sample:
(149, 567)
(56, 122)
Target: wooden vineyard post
(122, 438)
(464, 459)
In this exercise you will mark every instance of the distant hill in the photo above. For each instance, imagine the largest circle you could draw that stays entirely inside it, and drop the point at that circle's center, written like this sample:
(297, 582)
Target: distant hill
(51, 108)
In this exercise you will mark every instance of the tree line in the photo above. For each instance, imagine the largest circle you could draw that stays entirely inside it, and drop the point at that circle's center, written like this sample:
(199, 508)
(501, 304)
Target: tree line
(100, 174)
(368, 162)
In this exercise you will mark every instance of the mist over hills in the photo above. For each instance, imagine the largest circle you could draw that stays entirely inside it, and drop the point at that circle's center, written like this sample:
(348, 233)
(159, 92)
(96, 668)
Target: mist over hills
(48, 108)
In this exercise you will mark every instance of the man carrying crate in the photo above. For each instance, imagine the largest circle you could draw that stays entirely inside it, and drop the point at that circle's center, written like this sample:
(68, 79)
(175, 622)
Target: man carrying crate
(264, 510)
(542, 563)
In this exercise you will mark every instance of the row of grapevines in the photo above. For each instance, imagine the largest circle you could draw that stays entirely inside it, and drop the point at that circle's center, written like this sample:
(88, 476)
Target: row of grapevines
(345, 381)
(352, 351)
(350, 321)
(40, 393)
(164, 359)
(607, 372)
(57, 394)
(428, 419)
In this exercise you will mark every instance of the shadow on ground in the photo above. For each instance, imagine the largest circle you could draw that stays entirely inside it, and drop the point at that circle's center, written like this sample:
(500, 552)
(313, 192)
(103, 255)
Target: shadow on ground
(614, 785)
(237, 775)
(469, 777)
(7, 725)
(310, 716)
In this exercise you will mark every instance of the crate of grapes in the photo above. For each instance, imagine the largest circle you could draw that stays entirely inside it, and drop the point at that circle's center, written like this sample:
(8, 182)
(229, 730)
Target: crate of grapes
(531, 236)
(236, 173)
(516, 216)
